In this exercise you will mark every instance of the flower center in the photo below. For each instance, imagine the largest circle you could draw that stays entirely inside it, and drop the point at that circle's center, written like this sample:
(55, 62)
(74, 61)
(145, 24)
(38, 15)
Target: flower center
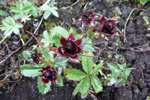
(69, 46)
(49, 73)
(108, 26)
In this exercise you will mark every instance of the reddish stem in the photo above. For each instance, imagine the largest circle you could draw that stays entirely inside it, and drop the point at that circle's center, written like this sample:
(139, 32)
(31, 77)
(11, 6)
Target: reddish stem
(38, 41)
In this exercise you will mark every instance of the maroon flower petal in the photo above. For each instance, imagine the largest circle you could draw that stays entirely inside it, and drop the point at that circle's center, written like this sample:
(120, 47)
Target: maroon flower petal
(89, 21)
(41, 70)
(78, 41)
(41, 75)
(40, 54)
(109, 34)
(102, 22)
(79, 49)
(45, 80)
(113, 21)
(101, 25)
(62, 40)
(113, 34)
(94, 17)
(74, 58)
(54, 79)
(47, 67)
(61, 51)
(102, 18)
(54, 69)
(71, 37)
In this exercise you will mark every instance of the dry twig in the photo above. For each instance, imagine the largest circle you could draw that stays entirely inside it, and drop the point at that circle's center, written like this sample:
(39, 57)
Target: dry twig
(16, 51)
(71, 5)
(125, 39)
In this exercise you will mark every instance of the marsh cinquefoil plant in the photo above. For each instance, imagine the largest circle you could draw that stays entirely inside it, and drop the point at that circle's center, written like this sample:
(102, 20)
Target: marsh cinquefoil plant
(70, 47)
(49, 58)
(106, 26)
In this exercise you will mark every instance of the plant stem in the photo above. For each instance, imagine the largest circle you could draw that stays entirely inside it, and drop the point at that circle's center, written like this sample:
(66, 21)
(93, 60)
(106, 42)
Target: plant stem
(128, 82)
(102, 73)
(46, 3)
(39, 24)
(38, 41)
(125, 40)
(3, 39)
(93, 96)
(71, 5)
(106, 68)
(21, 39)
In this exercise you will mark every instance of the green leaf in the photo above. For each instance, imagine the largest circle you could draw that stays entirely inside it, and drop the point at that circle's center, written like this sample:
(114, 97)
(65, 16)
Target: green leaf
(121, 67)
(30, 70)
(97, 85)
(114, 77)
(15, 10)
(89, 48)
(87, 64)
(43, 88)
(97, 68)
(26, 55)
(19, 5)
(143, 1)
(34, 11)
(10, 25)
(45, 52)
(61, 62)
(59, 80)
(16, 31)
(57, 32)
(11, 20)
(124, 65)
(26, 9)
(73, 74)
(3, 13)
(8, 32)
(83, 86)
(71, 30)
(48, 10)
(47, 14)
(48, 39)
(128, 70)
(124, 81)
(44, 8)
(117, 56)
(113, 66)
(87, 41)
(84, 95)
(31, 7)
(51, 55)
(54, 12)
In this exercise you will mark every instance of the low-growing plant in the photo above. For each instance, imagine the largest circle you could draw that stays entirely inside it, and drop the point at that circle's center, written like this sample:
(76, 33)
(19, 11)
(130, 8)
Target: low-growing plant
(48, 60)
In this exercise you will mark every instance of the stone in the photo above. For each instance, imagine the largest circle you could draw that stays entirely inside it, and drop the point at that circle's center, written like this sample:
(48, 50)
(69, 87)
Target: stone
(117, 11)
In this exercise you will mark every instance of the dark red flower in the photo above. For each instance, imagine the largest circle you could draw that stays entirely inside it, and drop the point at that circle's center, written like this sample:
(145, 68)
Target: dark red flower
(48, 74)
(87, 17)
(70, 47)
(36, 57)
(106, 26)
